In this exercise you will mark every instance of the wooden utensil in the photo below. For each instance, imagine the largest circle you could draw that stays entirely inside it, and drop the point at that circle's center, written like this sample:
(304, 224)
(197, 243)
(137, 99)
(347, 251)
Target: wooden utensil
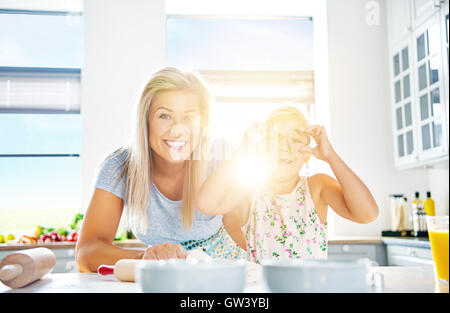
(123, 270)
(21, 268)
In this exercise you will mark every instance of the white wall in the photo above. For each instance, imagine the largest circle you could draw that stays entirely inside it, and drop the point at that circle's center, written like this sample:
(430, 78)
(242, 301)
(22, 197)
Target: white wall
(438, 178)
(360, 114)
(124, 42)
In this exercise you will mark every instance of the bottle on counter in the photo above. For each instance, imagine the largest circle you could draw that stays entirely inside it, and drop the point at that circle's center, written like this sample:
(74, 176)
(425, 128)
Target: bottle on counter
(408, 216)
(417, 204)
(418, 217)
(429, 205)
(397, 212)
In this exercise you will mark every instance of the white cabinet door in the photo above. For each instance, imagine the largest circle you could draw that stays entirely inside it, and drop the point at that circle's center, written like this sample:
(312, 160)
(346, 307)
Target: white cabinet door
(399, 17)
(422, 9)
(405, 137)
(429, 90)
(445, 58)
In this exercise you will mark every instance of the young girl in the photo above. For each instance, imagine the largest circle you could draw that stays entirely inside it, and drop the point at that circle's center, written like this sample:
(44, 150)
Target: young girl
(284, 215)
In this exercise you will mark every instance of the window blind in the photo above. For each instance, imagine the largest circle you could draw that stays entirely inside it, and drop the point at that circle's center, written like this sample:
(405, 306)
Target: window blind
(40, 90)
(261, 86)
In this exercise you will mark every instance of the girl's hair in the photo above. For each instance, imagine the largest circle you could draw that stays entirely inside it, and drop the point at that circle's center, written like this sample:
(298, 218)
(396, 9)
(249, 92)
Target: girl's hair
(138, 164)
(290, 111)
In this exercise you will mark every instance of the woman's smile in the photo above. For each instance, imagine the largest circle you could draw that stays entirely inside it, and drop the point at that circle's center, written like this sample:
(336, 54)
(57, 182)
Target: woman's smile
(175, 143)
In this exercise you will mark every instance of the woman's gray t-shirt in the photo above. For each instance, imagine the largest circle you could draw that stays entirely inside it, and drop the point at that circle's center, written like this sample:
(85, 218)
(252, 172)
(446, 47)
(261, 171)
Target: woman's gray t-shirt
(164, 222)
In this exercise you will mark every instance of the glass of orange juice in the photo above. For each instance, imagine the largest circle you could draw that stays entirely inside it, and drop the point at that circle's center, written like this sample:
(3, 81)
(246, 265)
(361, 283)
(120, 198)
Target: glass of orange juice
(438, 234)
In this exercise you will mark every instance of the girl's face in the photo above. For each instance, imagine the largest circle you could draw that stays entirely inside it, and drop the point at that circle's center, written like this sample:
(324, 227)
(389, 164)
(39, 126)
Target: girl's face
(285, 138)
(174, 124)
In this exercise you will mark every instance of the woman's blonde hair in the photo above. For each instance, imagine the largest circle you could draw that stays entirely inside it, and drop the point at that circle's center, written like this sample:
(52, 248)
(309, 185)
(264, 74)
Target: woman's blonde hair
(138, 165)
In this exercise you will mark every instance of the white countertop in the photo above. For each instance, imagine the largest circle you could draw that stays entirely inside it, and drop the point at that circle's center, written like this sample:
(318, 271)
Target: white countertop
(402, 279)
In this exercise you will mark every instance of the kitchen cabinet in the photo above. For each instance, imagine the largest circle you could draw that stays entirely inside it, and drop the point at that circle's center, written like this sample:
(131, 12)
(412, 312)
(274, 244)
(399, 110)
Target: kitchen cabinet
(423, 9)
(399, 16)
(374, 252)
(408, 256)
(419, 82)
(404, 251)
(429, 91)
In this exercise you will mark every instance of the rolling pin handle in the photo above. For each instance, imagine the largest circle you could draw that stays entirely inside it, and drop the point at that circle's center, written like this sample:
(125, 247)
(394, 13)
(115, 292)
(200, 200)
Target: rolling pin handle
(11, 271)
(105, 270)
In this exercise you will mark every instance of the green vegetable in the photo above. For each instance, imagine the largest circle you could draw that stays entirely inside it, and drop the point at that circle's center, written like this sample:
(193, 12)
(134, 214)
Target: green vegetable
(62, 231)
(78, 217)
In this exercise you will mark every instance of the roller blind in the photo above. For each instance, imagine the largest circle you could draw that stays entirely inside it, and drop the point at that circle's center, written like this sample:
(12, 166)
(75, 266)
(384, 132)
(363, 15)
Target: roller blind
(40, 90)
(261, 86)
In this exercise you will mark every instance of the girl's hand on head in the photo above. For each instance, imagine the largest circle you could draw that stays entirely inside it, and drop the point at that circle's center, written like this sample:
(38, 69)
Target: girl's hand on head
(323, 149)
(165, 251)
(253, 141)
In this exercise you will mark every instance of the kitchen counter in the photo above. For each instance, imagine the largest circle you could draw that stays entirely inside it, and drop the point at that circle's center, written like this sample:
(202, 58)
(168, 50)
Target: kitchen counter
(66, 245)
(136, 243)
(403, 279)
(407, 241)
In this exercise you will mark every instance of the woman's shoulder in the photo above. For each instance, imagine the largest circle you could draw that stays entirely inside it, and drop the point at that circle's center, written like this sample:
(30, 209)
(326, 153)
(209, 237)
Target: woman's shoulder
(117, 157)
(111, 177)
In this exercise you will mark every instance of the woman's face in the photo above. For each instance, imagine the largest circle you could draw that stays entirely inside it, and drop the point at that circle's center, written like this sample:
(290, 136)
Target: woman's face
(287, 137)
(174, 124)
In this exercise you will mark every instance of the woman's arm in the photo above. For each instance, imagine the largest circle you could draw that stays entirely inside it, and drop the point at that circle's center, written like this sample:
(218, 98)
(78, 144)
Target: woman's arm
(348, 196)
(94, 246)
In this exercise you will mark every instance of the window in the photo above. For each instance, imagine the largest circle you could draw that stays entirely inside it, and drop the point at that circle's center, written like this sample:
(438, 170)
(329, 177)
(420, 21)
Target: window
(40, 122)
(251, 65)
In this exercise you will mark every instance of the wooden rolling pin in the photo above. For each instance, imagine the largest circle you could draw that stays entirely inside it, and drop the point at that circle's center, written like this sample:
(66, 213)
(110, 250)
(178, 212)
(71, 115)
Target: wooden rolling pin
(123, 270)
(26, 266)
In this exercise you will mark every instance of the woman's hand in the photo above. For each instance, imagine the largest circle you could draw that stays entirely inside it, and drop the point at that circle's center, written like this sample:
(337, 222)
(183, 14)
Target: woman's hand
(323, 149)
(165, 251)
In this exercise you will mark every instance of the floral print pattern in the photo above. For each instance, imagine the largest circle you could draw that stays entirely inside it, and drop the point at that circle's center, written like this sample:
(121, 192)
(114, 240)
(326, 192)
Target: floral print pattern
(299, 234)
(218, 246)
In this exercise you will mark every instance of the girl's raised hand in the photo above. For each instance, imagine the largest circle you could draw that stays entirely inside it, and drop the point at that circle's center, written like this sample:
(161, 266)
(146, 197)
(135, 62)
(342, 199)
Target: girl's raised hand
(323, 149)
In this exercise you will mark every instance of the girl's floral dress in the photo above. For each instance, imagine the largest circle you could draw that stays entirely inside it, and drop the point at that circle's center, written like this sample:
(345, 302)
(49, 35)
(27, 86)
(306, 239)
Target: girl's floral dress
(299, 235)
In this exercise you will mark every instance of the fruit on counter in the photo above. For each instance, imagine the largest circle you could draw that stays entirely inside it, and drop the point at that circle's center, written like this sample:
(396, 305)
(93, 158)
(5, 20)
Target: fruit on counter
(27, 239)
(54, 236)
(10, 238)
(44, 234)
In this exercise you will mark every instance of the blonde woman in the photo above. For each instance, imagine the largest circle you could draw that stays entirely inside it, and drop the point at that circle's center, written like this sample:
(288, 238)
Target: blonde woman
(155, 180)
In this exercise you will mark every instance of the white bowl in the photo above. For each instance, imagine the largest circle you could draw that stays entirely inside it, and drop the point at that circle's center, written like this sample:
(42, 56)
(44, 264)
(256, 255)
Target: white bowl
(195, 276)
(319, 276)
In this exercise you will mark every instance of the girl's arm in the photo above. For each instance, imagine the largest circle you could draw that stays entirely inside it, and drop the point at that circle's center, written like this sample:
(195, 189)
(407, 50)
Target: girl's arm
(232, 222)
(221, 192)
(348, 196)
(231, 183)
